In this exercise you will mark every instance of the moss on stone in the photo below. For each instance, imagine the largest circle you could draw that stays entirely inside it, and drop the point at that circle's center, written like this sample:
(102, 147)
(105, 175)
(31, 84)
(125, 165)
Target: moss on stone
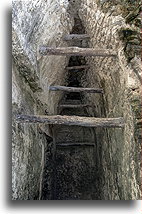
(132, 41)
(130, 10)
(136, 106)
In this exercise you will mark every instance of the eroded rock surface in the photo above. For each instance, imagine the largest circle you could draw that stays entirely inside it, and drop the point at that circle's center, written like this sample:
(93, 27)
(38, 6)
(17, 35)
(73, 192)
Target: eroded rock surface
(109, 24)
(34, 23)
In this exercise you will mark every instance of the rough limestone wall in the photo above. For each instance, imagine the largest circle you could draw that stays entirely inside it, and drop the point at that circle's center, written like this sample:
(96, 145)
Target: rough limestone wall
(35, 22)
(118, 151)
(45, 22)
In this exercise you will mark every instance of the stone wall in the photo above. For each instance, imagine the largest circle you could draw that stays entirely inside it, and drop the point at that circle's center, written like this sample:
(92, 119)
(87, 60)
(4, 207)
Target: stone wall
(26, 143)
(118, 150)
(34, 23)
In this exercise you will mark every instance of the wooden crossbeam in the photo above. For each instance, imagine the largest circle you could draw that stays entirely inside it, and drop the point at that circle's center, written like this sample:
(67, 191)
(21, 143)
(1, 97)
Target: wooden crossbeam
(72, 120)
(77, 67)
(76, 37)
(73, 106)
(74, 144)
(75, 89)
(75, 51)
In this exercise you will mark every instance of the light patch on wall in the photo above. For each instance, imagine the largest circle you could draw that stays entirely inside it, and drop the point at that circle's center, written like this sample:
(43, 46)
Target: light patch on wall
(98, 14)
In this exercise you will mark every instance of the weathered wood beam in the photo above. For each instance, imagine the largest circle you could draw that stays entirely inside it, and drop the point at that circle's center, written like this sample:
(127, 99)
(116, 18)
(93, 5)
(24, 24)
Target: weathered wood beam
(76, 37)
(77, 67)
(70, 142)
(73, 106)
(74, 144)
(75, 51)
(72, 120)
(75, 89)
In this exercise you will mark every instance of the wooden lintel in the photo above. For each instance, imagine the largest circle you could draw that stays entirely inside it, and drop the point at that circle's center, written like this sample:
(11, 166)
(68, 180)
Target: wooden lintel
(72, 120)
(73, 106)
(75, 89)
(75, 51)
(75, 144)
(76, 37)
(77, 67)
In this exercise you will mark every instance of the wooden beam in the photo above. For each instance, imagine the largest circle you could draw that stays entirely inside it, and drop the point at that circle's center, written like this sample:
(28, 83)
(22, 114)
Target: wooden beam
(72, 120)
(76, 37)
(77, 67)
(74, 144)
(75, 51)
(73, 106)
(75, 89)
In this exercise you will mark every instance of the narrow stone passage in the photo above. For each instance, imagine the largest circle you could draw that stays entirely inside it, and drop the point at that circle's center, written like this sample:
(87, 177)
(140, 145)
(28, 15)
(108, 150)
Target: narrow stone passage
(71, 170)
(75, 150)
(76, 101)
(75, 157)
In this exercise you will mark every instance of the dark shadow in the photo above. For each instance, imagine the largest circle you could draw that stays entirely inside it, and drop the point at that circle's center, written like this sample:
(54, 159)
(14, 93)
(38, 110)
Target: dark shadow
(78, 26)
